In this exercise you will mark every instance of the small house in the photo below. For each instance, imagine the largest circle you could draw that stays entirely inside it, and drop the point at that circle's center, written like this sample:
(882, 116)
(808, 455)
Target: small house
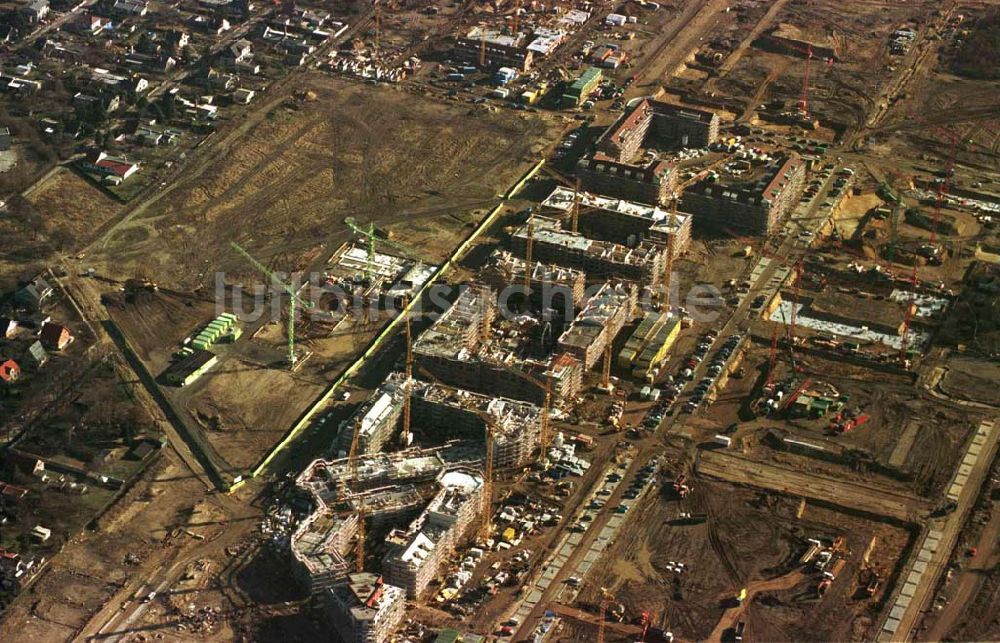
(55, 336)
(36, 355)
(8, 328)
(34, 294)
(9, 371)
(243, 96)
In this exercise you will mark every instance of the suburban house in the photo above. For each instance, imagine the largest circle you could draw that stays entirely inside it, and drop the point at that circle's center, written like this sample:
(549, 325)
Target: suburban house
(239, 52)
(87, 101)
(115, 169)
(36, 11)
(55, 336)
(8, 327)
(130, 8)
(89, 24)
(36, 355)
(9, 371)
(243, 96)
(34, 294)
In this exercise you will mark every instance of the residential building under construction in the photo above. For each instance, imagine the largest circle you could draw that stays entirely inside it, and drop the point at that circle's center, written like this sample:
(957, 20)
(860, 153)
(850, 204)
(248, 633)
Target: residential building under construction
(621, 221)
(600, 321)
(390, 488)
(562, 288)
(601, 260)
(512, 357)
(417, 552)
(363, 608)
(440, 413)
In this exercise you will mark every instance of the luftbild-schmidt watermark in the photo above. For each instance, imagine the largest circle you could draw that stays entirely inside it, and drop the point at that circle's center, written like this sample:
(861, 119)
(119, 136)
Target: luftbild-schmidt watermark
(314, 297)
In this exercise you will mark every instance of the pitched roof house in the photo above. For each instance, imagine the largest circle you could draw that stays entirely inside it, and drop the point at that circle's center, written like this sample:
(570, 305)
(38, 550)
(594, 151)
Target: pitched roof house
(55, 336)
(9, 371)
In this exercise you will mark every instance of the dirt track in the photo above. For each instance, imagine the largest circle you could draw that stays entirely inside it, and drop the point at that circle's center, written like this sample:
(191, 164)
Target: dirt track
(852, 496)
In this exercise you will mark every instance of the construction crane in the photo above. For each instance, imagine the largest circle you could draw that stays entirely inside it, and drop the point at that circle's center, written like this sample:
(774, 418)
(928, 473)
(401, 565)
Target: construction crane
(352, 462)
(546, 387)
(293, 298)
(528, 250)
(490, 430)
(370, 238)
(377, 9)
(942, 192)
(407, 409)
(487, 508)
(668, 264)
(606, 367)
(808, 54)
(575, 185)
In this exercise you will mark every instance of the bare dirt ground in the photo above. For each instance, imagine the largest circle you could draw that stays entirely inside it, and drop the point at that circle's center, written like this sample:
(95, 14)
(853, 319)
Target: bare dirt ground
(739, 520)
(285, 187)
(245, 408)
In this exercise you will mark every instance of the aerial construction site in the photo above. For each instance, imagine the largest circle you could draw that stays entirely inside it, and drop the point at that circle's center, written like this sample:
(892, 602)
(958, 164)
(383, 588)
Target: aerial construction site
(438, 322)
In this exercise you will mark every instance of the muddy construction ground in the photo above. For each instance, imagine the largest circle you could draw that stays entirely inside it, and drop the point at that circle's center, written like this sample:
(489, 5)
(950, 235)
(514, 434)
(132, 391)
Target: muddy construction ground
(282, 183)
(638, 569)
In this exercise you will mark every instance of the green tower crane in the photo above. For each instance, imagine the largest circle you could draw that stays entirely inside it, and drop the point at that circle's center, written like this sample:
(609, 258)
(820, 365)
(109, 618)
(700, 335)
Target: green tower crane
(293, 298)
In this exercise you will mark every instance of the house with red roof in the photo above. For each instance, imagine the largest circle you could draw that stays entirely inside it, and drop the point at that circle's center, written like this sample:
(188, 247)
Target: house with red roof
(9, 371)
(114, 169)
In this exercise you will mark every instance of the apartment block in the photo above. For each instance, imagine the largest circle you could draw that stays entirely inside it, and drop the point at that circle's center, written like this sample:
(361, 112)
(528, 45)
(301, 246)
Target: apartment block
(365, 609)
(600, 321)
(601, 260)
(418, 552)
(652, 182)
(623, 222)
(747, 205)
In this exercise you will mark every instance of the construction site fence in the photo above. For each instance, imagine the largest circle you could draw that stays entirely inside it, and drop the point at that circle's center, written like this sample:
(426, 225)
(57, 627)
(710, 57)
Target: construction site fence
(376, 344)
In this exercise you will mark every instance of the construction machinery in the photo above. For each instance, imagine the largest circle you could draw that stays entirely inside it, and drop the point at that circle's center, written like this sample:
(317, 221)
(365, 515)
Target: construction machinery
(796, 393)
(294, 300)
(681, 486)
(847, 420)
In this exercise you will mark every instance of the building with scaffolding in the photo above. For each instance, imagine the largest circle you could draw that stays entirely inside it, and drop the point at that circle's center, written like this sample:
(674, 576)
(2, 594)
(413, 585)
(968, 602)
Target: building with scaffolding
(752, 204)
(417, 553)
(600, 321)
(363, 608)
(441, 413)
(453, 413)
(391, 489)
(498, 49)
(620, 221)
(512, 356)
(601, 260)
(652, 182)
(562, 288)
